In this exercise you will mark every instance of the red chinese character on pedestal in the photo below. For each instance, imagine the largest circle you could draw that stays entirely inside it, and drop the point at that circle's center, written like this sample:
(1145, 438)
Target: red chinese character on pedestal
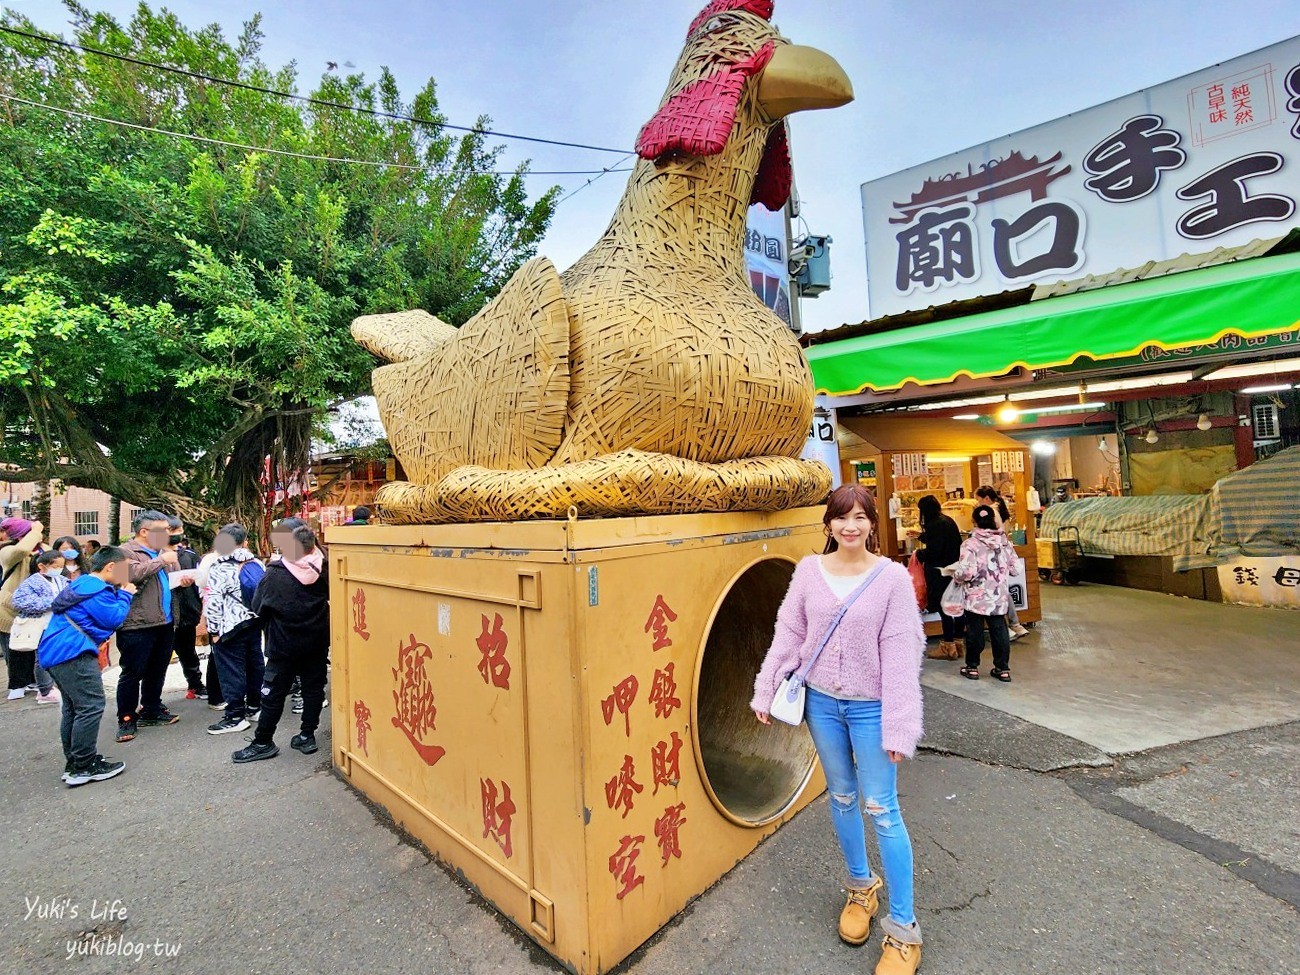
(663, 692)
(660, 617)
(621, 701)
(494, 667)
(413, 697)
(623, 865)
(362, 715)
(666, 829)
(620, 789)
(497, 815)
(665, 763)
(359, 615)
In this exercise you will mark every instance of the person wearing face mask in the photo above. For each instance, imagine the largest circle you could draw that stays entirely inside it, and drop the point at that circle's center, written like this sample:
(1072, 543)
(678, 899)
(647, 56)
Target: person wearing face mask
(187, 607)
(144, 643)
(19, 540)
(75, 563)
(32, 601)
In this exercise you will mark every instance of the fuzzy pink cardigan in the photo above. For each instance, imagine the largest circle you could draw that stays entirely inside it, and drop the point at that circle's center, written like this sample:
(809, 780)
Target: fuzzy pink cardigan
(875, 653)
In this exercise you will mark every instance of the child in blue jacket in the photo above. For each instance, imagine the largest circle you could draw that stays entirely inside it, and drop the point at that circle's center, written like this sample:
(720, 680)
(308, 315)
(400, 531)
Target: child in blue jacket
(86, 613)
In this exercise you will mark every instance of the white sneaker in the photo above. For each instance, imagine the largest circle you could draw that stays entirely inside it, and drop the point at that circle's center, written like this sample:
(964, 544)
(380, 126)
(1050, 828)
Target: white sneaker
(16, 694)
(1018, 631)
(50, 698)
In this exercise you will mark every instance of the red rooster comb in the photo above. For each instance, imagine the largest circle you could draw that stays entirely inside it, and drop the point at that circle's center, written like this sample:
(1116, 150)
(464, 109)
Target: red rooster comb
(697, 121)
(760, 8)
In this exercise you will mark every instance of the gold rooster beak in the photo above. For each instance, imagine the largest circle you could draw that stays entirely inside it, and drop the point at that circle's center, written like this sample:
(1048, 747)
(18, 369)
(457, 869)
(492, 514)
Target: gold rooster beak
(800, 78)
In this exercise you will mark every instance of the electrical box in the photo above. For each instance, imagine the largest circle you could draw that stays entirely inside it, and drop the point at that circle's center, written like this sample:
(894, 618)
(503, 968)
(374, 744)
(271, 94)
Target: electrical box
(814, 276)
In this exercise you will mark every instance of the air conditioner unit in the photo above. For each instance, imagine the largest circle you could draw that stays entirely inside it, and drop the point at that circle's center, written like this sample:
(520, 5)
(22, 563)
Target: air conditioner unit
(1266, 425)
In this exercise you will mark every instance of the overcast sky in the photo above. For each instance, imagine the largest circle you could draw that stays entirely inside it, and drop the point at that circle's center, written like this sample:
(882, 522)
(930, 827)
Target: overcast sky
(931, 78)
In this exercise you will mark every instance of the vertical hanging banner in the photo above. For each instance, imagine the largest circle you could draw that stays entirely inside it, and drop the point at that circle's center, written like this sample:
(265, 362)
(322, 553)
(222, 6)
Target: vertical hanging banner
(822, 444)
(1208, 160)
(767, 252)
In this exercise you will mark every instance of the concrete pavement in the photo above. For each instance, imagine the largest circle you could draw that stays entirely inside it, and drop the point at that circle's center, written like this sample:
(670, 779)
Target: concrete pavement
(1038, 849)
(1126, 671)
(279, 867)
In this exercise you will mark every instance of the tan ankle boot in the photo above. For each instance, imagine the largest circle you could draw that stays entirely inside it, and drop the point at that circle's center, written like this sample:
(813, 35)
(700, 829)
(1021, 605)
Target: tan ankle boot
(898, 958)
(941, 652)
(900, 953)
(861, 907)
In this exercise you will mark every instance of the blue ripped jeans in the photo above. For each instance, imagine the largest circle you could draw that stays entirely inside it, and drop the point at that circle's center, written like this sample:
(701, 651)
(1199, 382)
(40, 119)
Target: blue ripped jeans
(860, 775)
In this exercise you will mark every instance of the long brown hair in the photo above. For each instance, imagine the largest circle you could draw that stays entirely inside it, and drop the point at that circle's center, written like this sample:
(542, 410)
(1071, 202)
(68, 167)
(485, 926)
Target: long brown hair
(840, 503)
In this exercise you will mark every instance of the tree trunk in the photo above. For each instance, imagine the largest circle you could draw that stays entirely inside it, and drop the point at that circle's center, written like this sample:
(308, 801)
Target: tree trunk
(114, 519)
(41, 506)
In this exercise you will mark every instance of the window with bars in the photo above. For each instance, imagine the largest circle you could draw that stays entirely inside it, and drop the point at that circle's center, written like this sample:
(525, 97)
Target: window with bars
(27, 510)
(85, 523)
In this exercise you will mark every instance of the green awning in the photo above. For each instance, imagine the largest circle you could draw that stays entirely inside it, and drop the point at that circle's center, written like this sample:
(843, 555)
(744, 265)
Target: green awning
(1249, 298)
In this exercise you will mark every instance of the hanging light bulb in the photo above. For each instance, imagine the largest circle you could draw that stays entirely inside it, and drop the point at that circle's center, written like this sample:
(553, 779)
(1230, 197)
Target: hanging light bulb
(1007, 413)
(1152, 436)
(1203, 422)
(1101, 443)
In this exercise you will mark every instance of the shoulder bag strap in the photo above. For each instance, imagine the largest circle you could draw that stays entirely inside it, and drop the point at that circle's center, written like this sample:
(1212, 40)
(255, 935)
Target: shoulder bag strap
(806, 669)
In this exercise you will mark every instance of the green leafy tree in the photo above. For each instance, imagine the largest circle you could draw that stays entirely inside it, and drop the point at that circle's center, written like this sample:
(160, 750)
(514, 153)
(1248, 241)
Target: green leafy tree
(174, 314)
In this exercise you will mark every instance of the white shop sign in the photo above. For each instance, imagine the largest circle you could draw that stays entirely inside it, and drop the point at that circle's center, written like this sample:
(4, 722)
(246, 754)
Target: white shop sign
(1208, 160)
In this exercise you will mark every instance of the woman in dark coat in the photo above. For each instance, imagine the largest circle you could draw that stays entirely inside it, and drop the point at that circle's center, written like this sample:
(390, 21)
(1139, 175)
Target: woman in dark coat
(942, 541)
(293, 603)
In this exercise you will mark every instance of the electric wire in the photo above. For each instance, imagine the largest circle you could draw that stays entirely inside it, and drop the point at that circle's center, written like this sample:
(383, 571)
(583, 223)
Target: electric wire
(287, 152)
(322, 102)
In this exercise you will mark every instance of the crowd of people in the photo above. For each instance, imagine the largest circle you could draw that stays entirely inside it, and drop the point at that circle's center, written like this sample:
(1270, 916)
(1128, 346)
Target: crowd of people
(63, 605)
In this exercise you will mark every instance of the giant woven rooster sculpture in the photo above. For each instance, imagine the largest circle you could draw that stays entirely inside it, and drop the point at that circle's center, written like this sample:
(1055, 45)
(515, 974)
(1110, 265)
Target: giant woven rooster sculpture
(648, 378)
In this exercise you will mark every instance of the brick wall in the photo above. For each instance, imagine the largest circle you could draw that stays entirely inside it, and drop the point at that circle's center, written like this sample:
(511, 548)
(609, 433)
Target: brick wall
(66, 503)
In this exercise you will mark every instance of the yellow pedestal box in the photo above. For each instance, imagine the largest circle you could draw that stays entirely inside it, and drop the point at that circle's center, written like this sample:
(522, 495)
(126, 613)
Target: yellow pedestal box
(560, 710)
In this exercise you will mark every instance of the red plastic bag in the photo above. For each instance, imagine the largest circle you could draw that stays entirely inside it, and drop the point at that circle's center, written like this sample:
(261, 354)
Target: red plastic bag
(917, 571)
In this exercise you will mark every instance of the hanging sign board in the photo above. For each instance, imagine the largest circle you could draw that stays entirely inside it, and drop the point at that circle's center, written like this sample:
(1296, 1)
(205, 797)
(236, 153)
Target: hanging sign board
(1206, 161)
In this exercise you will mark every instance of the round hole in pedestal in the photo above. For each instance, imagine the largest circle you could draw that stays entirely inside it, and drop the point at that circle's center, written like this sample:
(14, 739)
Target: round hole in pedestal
(753, 773)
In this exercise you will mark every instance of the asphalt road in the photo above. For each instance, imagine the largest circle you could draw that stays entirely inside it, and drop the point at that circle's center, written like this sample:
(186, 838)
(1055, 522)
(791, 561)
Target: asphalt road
(279, 867)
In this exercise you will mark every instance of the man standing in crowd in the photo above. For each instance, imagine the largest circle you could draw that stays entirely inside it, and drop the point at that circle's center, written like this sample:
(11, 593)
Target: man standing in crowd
(234, 629)
(144, 643)
(187, 607)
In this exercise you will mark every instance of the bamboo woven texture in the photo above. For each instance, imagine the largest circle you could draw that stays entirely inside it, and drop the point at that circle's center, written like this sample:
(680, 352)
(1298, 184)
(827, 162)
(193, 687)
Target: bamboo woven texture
(631, 481)
(648, 378)
(489, 395)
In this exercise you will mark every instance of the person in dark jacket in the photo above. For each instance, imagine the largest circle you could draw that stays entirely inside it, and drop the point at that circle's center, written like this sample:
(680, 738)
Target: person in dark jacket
(293, 602)
(86, 613)
(187, 607)
(942, 540)
(144, 643)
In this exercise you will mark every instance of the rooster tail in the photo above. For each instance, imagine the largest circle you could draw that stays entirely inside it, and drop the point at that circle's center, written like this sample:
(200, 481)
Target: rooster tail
(401, 336)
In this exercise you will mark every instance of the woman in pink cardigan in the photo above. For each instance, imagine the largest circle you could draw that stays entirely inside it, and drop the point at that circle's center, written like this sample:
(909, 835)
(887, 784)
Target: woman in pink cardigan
(863, 708)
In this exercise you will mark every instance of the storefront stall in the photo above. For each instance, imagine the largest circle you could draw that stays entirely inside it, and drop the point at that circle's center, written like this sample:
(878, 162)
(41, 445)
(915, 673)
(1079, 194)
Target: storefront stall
(902, 459)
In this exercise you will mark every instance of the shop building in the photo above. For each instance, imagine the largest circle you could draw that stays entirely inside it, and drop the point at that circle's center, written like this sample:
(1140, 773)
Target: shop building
(1118, 290)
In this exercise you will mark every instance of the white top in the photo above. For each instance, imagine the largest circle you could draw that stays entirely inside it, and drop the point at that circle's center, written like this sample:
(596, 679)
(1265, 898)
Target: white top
(842, 585)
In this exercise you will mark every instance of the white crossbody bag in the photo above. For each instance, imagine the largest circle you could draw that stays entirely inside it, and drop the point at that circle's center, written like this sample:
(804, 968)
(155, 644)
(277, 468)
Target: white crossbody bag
(787, 705)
